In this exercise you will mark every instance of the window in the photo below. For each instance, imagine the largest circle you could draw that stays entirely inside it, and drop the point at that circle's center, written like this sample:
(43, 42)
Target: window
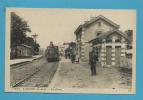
(129, 46)
(99, 24)
(98, 34)
(118, 40)
(108, 40)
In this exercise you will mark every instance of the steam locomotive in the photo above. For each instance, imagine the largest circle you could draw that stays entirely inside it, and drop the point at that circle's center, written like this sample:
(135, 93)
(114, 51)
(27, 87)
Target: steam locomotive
(52, 53)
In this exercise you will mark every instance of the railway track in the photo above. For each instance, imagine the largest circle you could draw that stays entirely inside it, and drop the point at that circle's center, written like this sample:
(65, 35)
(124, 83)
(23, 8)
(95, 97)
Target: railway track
(37, 72)
(23, 80)
(43, 77)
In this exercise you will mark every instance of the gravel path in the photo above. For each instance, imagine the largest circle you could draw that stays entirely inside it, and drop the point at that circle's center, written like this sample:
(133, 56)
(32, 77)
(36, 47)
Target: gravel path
(79, 76)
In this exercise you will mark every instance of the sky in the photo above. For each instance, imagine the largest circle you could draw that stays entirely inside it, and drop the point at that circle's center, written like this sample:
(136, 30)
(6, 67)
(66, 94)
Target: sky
(58, 25)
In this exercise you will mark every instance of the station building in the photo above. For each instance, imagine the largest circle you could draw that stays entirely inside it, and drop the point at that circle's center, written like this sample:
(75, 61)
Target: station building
(21, 51)
(104, 35)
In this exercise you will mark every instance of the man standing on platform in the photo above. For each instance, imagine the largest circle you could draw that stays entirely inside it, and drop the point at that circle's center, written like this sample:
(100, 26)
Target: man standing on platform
(92, 61)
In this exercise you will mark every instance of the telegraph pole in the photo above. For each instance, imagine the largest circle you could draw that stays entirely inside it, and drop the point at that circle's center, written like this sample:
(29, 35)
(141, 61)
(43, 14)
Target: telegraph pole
(34, 37)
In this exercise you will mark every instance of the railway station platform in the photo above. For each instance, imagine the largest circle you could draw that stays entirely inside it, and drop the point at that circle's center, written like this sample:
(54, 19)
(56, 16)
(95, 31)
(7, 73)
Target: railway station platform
(19, 61)
(78, 75)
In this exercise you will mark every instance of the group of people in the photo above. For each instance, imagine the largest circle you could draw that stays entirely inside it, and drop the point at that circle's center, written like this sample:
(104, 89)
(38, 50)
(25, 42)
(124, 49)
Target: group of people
(71, 54)
(93, 58)
(74, 57)
(67, 53)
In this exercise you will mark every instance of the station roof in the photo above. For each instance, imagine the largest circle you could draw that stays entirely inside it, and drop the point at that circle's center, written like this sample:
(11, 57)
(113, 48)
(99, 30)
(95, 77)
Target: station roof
(25, 45)
(94, 20)
(105, 35)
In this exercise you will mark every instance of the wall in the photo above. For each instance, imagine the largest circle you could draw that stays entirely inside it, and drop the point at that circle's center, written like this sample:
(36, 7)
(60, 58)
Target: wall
(23, 51)
(90, 33)
(93, 29)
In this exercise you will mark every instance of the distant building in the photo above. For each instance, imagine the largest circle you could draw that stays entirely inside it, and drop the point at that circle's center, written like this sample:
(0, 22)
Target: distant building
(22, 51)
(103, 35)
(63, 47)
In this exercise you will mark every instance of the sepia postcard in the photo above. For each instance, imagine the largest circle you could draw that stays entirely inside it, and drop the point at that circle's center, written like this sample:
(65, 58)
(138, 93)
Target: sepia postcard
(51, 50)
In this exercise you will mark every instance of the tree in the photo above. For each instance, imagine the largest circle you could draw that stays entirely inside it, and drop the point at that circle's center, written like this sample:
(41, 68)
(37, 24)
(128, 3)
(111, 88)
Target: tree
(19, 27)
(129, 34)
(30, 41)
(72, 45)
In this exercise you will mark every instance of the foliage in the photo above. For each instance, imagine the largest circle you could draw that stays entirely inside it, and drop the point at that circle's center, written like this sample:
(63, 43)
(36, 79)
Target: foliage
(19, 28)
(72, 45)
(30, 41)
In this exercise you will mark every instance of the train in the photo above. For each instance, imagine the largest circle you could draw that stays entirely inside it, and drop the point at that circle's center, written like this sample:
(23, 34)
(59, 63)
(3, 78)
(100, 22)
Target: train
(52, 53)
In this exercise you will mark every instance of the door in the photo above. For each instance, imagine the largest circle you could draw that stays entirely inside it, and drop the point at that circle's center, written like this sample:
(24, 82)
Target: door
(108, 55)
(117, 55)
